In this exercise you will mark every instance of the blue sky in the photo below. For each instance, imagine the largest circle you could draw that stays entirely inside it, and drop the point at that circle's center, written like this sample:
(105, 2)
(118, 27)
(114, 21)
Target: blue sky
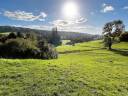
(44, 14)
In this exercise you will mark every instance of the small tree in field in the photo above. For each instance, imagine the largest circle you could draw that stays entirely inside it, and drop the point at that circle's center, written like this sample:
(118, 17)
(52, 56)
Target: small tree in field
(111, 30)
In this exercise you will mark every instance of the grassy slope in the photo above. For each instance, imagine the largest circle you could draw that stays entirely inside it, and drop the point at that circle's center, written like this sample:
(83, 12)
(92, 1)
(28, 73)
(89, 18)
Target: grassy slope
(4, 33)
(82, 70)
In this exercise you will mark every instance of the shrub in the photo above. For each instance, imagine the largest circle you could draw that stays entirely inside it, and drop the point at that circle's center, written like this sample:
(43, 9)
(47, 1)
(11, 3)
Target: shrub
(3, 38)
(47, 50)
(12, 35)
(26, 48)
(32, 36)
(17, 48)
(124, 37)
(20, 35)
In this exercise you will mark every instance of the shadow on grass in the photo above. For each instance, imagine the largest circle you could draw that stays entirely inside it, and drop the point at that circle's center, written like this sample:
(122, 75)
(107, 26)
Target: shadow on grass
(90, 46)
(20, 58)
(78, 51)
(121, 52)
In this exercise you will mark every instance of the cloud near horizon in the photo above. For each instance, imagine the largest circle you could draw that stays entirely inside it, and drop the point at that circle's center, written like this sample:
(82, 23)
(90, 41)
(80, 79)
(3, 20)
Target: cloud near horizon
(25, 16)
(68, 22)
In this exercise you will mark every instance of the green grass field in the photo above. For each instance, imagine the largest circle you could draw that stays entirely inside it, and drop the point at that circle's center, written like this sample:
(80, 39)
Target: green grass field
(4, 33)
(86, 69)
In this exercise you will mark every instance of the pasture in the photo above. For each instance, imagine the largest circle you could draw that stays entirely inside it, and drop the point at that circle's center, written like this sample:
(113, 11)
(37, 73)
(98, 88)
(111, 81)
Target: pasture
(86, 69)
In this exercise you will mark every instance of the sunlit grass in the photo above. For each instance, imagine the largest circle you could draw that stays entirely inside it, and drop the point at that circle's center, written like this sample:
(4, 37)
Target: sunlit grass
(85, 69)
(4, 33)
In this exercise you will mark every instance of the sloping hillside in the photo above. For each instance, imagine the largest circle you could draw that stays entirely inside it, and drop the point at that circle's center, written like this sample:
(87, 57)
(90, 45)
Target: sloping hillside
(86, 69)
(47, 33)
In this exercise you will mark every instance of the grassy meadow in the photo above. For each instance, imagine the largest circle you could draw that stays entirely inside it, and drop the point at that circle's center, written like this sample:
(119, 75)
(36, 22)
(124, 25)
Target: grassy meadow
(86, 69)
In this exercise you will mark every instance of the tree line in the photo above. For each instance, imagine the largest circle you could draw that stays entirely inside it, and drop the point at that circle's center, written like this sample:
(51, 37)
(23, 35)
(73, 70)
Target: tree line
(76, 37)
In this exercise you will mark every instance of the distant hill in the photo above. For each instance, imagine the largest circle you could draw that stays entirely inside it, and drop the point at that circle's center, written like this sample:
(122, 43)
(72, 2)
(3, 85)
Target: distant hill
(46, 33)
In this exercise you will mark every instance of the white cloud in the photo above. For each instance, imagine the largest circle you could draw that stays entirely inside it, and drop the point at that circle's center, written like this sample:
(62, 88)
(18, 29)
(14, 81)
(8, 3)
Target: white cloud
(41, 19)
(72, 25)
(107, 8)
(76, 25)
(68, 22)
(81, 20)
(25, 16)
(125, 8)
(43, 14)
(60, 23)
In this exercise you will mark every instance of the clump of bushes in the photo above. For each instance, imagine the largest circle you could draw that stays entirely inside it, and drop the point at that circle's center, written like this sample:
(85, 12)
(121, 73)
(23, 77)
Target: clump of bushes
(17, 48)
(47, 50)
(124, 37)
(25, 46)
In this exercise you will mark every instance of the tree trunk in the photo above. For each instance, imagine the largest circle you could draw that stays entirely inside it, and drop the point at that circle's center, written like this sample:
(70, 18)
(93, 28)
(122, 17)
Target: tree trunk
(110, 46)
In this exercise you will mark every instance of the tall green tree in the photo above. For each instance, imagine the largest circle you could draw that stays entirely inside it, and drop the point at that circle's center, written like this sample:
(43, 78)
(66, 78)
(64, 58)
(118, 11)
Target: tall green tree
(111, 30)
(55, 37)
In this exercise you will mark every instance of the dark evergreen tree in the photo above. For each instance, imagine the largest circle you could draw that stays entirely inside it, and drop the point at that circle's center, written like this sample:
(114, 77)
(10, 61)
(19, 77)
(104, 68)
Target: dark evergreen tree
(55, 37)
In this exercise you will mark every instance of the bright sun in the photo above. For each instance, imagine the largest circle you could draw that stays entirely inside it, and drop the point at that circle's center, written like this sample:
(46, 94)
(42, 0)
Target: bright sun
(70, 10)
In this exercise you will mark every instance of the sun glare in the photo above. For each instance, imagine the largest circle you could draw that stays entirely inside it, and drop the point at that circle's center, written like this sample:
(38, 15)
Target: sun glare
(70, 9)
